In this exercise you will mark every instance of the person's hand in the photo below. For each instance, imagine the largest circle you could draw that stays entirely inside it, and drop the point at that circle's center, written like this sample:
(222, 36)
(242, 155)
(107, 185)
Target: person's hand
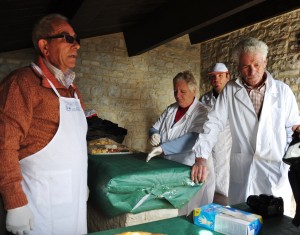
(19, 220)
(296, 128)
(154, 152)
(199, 171)
(155, 139)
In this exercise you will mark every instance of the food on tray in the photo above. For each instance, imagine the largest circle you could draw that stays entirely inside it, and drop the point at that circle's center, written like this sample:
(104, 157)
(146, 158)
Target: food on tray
(101, 141)
(106, 149)
(105, 145)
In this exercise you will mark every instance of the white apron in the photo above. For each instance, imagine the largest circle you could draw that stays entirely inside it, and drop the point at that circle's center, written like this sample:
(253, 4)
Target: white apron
(55, 178)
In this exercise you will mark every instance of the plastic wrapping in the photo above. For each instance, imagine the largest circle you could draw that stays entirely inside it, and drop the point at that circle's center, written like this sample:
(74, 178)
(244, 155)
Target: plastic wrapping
(126, 183)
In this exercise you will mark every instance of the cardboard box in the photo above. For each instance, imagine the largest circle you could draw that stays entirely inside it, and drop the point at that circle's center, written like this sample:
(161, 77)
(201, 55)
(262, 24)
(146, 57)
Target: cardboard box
(227, 220)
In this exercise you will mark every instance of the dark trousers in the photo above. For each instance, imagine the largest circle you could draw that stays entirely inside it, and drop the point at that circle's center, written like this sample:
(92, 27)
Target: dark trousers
(294, 178)
(2, 219)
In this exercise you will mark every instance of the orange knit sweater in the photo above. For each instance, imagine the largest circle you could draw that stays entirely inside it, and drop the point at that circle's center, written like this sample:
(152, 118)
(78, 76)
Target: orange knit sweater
(29, 118)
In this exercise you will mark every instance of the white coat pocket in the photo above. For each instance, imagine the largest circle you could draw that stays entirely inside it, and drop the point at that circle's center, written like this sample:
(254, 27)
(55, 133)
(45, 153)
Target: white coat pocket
(54, 187)
(240, 167)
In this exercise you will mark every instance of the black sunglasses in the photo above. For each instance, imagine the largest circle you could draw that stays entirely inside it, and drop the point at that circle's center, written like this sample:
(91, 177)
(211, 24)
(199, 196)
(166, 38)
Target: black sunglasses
(67, 37)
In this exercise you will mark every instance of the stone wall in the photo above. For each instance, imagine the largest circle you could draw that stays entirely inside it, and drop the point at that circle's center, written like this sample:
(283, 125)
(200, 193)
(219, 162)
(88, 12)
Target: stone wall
(280, 35)
(133, 91)
(129, 91)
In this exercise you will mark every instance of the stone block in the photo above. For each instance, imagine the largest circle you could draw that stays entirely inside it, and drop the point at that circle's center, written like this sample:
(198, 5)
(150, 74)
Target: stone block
(98, 222)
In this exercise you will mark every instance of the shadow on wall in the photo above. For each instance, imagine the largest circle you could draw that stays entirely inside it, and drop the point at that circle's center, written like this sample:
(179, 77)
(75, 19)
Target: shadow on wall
(15, 59)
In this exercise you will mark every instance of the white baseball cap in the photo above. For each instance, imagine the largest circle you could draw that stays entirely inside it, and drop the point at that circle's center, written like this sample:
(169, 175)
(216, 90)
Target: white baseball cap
(219, 68)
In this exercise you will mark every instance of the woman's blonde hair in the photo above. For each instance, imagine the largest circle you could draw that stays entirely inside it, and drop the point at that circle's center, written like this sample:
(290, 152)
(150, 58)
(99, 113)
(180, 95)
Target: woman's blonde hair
(188, 77)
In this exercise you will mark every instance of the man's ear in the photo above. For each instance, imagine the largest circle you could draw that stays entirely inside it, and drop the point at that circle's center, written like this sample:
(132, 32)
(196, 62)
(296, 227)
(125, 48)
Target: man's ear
(43, 45)
(228, 76)
(195, 91)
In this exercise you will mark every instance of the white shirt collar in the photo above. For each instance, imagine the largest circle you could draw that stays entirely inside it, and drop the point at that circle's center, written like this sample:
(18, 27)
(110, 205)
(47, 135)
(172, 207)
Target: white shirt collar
(66, 79)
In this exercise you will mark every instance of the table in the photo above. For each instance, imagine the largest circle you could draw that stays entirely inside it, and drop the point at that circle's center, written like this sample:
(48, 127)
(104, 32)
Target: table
(277, 225)
(126, 183)
(126, 190)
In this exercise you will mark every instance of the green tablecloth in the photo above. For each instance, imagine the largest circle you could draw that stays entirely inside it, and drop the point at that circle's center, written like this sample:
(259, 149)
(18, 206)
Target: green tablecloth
(175, 226)
(277, 225)
(123, 183)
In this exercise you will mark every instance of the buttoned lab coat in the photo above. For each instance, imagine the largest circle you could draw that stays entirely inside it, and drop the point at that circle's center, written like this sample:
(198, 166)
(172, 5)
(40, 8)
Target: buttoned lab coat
(257, 145)
(221, 150)
(192, 121)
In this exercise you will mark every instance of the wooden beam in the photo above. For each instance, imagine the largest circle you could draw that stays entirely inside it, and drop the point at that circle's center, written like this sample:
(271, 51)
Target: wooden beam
(179, 18)
(255, 14)
(21, 16)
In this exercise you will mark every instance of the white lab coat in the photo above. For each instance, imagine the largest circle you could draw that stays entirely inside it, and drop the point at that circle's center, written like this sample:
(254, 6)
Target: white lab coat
(192, 121)
(257, 145)
(221, 151)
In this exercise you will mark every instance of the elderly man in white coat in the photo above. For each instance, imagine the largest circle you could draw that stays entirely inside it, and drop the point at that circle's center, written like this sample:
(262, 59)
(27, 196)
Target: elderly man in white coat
(219, 76)
(175, 133)
(261, 112)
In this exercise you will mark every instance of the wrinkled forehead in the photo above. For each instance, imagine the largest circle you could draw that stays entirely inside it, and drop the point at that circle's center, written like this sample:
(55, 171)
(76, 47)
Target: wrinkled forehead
(217, 74)
(180, 83)
(257, 56)
(61, 26)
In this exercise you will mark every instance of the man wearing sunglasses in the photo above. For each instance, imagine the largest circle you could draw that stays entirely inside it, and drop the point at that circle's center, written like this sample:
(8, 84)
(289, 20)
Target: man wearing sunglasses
(43, 171)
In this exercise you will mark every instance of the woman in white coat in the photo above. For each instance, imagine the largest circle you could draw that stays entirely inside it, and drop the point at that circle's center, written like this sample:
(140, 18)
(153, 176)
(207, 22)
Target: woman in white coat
(175, 133)
(261, 112)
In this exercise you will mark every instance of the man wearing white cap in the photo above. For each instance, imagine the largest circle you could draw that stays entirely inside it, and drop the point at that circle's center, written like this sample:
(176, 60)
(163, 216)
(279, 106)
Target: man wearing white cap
(219, 76)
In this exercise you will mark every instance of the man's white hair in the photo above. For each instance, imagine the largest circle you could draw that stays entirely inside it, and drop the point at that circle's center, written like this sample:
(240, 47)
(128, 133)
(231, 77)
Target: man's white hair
(249, 45)
(188, 77)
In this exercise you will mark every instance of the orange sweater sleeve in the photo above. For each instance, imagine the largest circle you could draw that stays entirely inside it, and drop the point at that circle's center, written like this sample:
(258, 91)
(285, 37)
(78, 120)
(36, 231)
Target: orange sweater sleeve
(29, 118)
(15, 119)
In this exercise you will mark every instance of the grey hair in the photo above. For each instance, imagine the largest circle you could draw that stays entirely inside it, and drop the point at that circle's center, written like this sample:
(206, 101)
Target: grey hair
(44, 27)
(249, 45)
(188, 77)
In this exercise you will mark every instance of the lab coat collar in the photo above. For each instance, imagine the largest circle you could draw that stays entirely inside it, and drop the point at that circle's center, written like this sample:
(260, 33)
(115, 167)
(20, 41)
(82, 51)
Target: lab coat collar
(191, 108)
(210, 98)
(270, 85)
(272, 93)
(188, 113)
(242, 95)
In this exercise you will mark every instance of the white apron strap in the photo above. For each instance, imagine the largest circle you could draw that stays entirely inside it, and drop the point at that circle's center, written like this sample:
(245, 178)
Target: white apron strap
(38, 69)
